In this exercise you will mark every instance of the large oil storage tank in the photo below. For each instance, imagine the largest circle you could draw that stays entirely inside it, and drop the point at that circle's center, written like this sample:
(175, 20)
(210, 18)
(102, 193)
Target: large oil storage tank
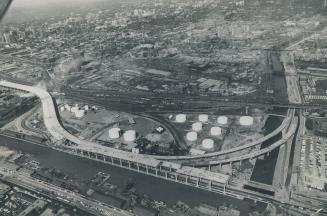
(192, 136)
(74, 109)
(215, 131)
(222, 120)
(208, 144)
(203, 118)
(68, 108)
(114, 133)
(197, 126)
(246, 121)
(130, 136)
(181, 118)
(79, 113)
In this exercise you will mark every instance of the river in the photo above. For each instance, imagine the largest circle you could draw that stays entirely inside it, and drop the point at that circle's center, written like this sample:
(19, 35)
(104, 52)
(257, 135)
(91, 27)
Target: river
(264, 170)
(158, 189)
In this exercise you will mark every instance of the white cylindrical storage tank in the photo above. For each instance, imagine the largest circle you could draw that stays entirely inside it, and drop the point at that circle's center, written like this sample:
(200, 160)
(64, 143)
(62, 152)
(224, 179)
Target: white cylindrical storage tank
(79, 113)
(203, 118)
(197, 126)
(181, 118)
(192, 136)
(222, 120)
(246, 120)
(130, 136)
(208, 144)
(215, 131)
(114, 133)
(74, 109)
(68, 108)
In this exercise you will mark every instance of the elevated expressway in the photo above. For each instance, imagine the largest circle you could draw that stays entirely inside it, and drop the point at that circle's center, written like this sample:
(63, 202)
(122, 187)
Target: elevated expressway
(137, 162)
(289, 134)
(159, 167)
(225, 153)
(215, 182)
(59, 133)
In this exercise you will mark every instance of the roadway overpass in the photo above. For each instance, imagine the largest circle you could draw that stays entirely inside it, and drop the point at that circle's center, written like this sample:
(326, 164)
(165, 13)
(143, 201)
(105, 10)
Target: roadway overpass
(286, 122)
(136, 162)
(146, 164)
(263, 151)
(59, 133)
(88, 148)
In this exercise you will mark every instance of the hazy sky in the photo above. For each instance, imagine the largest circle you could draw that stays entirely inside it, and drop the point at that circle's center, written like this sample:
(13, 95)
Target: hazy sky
(24, 10)
(36, 3)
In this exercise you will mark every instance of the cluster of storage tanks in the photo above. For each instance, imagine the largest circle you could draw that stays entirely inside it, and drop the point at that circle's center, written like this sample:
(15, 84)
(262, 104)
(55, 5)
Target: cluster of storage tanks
(244, 120)
(197, 127)
(128, 136)
(79, 112)
(215, 131)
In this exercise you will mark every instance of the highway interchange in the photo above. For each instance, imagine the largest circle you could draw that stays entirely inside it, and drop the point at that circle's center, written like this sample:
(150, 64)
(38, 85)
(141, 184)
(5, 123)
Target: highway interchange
(53, 125)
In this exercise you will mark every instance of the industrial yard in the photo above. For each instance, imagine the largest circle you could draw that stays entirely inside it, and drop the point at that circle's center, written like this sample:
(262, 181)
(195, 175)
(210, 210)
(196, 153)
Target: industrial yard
(202, 133)
(205, 133)
(133, 133)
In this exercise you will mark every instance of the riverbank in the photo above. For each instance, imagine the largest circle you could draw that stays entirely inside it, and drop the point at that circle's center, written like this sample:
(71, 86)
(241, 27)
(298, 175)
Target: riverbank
(157, 189)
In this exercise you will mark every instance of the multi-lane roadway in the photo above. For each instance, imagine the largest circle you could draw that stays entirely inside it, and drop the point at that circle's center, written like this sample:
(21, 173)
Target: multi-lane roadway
(53, 125)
